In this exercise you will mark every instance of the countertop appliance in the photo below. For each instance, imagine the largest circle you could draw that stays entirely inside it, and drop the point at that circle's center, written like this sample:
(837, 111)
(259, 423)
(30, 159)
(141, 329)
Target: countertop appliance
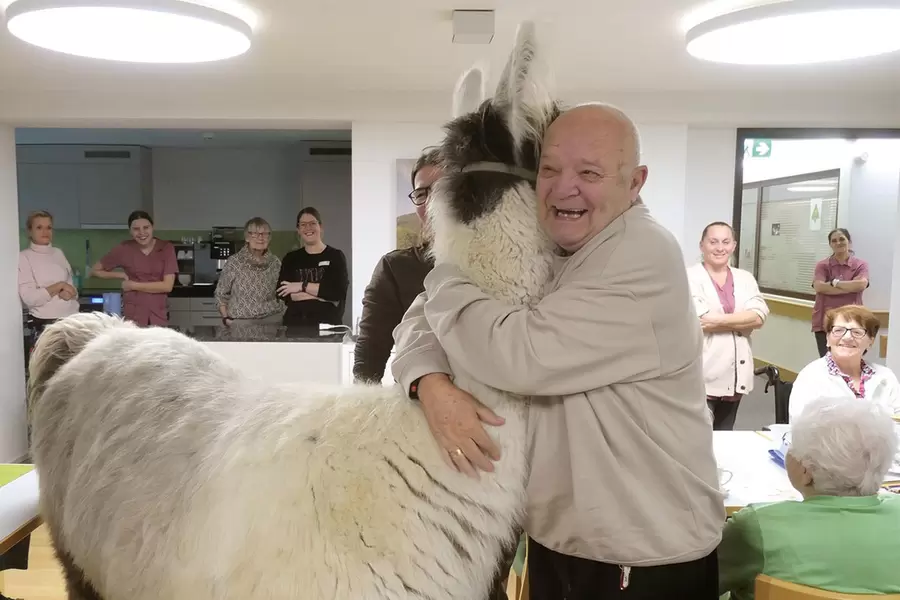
(226, 241)
(109, 302)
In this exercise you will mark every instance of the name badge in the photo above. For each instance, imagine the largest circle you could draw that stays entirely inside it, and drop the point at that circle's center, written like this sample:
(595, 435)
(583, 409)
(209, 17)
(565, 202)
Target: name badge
(324, 263)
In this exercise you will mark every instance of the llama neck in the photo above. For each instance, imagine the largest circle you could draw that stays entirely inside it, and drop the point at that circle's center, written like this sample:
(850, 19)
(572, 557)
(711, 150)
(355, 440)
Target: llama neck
(506, 252)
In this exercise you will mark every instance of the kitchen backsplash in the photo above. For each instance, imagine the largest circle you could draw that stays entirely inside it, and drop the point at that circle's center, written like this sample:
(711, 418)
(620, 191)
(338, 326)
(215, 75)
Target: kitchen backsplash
(72, 243)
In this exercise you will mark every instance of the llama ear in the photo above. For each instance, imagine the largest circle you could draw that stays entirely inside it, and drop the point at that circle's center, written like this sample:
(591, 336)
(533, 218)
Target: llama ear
(470, 92)
(524, 89)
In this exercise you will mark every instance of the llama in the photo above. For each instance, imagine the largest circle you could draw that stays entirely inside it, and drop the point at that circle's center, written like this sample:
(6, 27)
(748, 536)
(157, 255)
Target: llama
(166, 474)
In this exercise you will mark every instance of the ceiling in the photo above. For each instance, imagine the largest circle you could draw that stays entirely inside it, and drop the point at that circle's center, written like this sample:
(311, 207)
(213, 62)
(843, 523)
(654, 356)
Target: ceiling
(350, 49)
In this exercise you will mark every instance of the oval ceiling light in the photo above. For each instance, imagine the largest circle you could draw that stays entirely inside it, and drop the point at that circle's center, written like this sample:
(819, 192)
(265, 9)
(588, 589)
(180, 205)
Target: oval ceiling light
(798, 32)
(144, 31)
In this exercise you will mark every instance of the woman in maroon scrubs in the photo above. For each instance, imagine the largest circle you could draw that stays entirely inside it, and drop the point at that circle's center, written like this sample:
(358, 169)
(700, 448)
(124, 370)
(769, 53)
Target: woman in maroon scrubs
(148, 269)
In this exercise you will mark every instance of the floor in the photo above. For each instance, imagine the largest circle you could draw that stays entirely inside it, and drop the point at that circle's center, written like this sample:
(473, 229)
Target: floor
(44, 581)
(757, 409)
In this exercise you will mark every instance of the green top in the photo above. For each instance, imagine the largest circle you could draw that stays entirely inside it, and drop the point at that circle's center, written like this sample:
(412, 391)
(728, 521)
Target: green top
(11, 472)
(841, 544)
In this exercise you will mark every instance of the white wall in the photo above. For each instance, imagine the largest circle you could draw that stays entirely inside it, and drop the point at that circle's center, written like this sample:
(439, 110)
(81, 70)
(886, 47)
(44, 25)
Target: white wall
(872, 212)
(199, 188)
(893, 353)
(376, 148)
(709, 194)
(664, 151)
(13, 443)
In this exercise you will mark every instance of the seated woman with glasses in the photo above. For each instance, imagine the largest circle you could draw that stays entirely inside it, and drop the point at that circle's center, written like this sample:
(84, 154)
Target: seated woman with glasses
(245, 293)
(843, 372)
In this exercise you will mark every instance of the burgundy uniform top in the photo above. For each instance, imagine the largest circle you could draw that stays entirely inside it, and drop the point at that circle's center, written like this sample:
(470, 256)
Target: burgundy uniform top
(726, 293)
(142, 307)
(828, 269)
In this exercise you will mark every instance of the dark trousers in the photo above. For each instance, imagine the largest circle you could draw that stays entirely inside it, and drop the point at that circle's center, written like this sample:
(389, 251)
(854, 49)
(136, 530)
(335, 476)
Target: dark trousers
(724, 413)
(821, 338)
(555, 576)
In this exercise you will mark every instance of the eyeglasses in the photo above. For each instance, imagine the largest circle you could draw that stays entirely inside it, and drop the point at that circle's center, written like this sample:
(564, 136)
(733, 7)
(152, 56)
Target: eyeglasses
(259, 234)
(420, 195)
(855, 332)
(308, 225)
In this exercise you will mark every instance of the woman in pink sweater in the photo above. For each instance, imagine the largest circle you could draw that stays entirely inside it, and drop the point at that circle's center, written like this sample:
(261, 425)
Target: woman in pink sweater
(45, 276)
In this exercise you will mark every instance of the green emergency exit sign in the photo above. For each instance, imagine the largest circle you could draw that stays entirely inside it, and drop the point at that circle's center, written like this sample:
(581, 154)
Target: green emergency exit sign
(760, 148)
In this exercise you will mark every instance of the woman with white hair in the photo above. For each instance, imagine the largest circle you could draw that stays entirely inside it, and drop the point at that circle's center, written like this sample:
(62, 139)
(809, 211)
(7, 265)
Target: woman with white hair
(839, 455)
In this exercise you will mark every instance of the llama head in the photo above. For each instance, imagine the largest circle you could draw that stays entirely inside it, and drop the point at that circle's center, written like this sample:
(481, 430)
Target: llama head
(490, 157)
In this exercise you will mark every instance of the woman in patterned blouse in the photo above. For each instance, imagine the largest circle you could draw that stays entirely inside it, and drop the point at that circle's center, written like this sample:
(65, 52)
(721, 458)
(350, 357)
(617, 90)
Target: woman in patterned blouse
(246, 288)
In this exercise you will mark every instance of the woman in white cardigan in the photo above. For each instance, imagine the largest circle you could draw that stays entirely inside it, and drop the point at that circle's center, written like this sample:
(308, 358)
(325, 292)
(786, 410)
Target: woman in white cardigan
(729, 307)
(844, 373)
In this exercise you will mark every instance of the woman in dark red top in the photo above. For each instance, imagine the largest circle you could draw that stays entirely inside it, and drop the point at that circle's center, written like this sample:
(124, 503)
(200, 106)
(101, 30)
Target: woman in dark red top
(839, 280)
(148, 269)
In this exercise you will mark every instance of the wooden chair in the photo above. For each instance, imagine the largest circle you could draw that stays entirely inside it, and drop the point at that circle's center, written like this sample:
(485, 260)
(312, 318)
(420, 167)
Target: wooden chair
(769, 588)
(517, 585)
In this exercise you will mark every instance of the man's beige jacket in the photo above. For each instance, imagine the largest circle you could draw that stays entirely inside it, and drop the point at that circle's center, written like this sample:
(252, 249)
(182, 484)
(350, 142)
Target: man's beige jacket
(622, 465)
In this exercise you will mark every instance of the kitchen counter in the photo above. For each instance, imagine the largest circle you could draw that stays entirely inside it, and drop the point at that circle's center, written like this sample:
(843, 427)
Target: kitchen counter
(193, 291)
(266, 333)
(179, 291)
(278, 354)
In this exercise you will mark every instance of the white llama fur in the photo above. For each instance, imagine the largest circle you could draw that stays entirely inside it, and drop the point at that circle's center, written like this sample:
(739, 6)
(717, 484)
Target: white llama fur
(166, 474)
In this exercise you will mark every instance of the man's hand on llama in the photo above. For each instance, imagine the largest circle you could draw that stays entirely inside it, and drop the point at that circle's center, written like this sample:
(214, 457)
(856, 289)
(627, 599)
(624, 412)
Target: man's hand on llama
(455, 418)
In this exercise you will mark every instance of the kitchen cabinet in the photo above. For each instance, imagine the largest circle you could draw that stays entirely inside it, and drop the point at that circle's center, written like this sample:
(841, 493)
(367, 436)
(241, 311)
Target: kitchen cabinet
(186, 312)
(84, 186)
(108, 193)
(51, 188)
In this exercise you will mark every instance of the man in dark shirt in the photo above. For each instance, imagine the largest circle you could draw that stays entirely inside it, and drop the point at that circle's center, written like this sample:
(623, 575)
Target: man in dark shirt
(313, 279)
(398, 278)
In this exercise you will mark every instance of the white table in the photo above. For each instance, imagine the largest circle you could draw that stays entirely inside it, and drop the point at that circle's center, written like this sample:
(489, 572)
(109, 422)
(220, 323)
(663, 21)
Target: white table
(755, 477)
(19, 514)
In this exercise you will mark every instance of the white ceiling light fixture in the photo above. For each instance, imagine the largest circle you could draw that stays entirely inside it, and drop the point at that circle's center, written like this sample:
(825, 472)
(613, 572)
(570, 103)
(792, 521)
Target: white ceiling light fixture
(798, 32)
(142, 31)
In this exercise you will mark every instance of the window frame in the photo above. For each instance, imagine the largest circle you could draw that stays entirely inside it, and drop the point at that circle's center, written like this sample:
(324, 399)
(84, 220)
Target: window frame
(787, 133)
(760, 186)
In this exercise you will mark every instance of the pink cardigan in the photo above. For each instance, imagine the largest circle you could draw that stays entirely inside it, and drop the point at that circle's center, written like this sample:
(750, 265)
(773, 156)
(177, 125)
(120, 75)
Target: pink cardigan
(40, 267)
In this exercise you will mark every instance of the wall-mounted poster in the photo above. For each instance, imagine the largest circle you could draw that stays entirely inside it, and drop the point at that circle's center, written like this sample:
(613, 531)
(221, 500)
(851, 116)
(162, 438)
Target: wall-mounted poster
(409, 227)
(815, 214)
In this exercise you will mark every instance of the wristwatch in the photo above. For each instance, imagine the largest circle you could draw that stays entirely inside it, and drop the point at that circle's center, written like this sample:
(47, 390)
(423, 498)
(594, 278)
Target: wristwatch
(414, 389)
(303, 287)
(225, 320)
(835, 281)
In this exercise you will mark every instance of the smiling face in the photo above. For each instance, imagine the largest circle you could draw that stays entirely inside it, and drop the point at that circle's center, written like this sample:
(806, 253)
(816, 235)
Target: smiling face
(848, 340)
(258, 238)
(839, 242)
(309, 229)
(41, 232)
(717, 245)
(142, 232)
(588, 174)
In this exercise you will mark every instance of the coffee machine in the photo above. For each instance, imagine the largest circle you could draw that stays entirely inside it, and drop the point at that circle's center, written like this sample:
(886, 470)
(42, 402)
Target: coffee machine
(225, 242)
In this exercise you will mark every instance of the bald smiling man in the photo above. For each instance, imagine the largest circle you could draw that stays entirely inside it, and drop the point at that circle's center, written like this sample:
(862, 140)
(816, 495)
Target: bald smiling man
(623, 496)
